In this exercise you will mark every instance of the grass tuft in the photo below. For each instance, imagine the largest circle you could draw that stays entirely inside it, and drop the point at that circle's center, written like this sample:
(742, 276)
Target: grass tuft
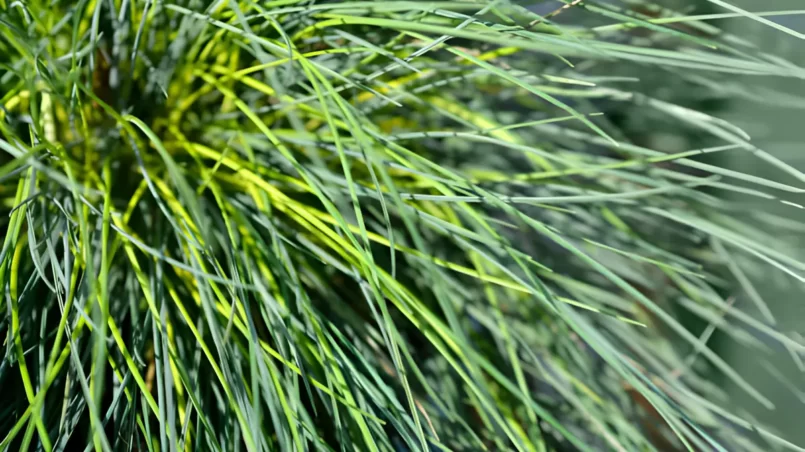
(383, 225)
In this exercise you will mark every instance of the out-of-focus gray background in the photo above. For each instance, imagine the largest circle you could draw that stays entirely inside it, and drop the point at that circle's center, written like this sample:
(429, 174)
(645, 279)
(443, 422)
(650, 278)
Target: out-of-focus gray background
(780, 131)
(775, 128)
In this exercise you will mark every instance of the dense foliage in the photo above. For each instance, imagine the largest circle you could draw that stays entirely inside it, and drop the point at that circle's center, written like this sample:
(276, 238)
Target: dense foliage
(382, 225)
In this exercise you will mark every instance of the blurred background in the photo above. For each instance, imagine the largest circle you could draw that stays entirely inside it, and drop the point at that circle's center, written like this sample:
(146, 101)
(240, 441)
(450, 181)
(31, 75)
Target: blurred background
(772, 111)
(779, 128)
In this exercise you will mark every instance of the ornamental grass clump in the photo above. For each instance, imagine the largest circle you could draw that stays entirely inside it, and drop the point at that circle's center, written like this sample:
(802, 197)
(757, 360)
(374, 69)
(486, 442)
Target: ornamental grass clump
(383, 225)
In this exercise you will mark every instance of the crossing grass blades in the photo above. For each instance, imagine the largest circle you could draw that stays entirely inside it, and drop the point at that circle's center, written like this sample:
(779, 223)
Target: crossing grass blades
(380, 225)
